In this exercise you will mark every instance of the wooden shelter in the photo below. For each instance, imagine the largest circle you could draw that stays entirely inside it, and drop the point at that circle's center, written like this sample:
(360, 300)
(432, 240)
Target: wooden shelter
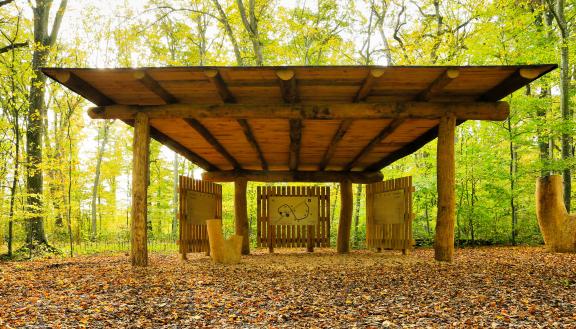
(307, 124)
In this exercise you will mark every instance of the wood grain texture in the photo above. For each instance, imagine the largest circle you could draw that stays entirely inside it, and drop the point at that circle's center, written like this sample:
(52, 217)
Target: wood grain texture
(241, 214)
(446, 184)
(345, 223)
(140, 149)
(292, 176)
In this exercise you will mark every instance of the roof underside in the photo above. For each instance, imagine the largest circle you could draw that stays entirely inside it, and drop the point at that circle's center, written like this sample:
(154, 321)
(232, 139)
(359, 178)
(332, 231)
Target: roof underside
(226, 143)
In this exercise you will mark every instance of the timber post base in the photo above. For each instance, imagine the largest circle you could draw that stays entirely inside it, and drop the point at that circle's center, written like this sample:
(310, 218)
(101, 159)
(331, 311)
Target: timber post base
(343, 241)
(558, 227)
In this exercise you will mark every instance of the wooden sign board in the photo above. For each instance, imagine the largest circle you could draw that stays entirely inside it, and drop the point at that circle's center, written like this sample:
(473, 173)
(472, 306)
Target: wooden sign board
(293, 210)
(389, 207)
(200, 207)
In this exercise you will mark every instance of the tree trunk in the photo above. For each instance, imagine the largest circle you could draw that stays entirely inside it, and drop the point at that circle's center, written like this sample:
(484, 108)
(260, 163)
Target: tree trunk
(444, 241)
(175, 197)
(43, 40)
(140, 168)
(512, 177)
(357, 212)
(346, 196)
(241, 214)
(96, 185)
(557, 225)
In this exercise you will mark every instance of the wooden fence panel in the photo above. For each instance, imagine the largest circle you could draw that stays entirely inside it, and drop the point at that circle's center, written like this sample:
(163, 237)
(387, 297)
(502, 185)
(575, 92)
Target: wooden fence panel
(193, 236)
(292, 236)
(397, 236)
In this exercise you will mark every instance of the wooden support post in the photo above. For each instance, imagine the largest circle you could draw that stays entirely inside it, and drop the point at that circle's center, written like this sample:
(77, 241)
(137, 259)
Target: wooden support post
(241, 214)
(343, 242)
(444, 240)
(139, 240)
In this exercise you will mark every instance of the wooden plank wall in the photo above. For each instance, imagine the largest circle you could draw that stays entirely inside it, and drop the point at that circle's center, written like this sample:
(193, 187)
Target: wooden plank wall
(389, 236)
(194, 238)
(293, 236)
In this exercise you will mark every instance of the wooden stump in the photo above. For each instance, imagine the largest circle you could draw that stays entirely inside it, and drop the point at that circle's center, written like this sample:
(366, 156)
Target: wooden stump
(444, 240)
(241, 214)
(139, 239)
(557, 226)
(223, 251)
(343, 241)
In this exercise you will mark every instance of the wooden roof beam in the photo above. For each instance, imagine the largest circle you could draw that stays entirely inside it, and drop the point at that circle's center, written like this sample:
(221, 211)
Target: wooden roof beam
(515, 81)
(295, 143)
(287, 82)
(367, 85)
(252, 140)
(342, 129)
(147, 81)
(178, 148)
(408, 149)
(81, 87)
(494, 111)
(215, 78)
(385, 133)
(207, 135)
(438, 85)
(293, 176)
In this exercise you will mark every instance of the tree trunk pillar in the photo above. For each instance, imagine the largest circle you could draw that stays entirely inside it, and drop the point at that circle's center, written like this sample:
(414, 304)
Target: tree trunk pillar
(343, 241)
(557, 226)
(445, 166)
(241, 214)
(139, 241)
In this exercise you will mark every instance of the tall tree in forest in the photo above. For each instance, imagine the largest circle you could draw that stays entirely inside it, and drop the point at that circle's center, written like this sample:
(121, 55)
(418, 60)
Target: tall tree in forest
(44, 40)
(557, 9)
(102, 140)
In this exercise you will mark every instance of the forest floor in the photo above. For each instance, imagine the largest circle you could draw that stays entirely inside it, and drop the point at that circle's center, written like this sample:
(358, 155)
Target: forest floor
(484, 287)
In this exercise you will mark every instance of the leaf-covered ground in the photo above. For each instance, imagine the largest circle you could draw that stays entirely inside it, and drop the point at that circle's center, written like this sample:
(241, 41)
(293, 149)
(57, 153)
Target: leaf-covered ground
(485, 287)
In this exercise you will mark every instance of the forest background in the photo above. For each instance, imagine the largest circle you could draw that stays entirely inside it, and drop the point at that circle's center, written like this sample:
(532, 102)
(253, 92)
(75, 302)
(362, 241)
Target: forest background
(65, 179)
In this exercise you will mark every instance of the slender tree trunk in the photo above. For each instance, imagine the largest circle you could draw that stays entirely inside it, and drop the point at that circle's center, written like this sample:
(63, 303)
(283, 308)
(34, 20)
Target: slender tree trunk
(16, 174)
(229, 32)
(175, 198)
(357, 213)
(95, 186)
(512, 177)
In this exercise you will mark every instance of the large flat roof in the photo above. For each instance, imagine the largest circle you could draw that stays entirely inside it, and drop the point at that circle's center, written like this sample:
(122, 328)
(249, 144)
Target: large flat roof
(320, 118)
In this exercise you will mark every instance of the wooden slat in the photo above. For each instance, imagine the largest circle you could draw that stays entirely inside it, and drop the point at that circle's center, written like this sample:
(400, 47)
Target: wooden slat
(207, 135)
(295, 142)
(253, 142)
(216, 80)
(389, 130)
(147, 81)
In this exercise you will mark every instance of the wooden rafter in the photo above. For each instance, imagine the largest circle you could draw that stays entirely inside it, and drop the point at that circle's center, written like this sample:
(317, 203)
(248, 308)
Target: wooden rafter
(216, 79)
(408, 149)
(292, 176)
(342, 129)
(147, 81)
(178, 148)
(247, 129)
(368, 83)
(438, 85)
(295, 143)
(515, 81)
(207, 135)
(495, 111)
(287, 82)
(79, 86)
(386, 132)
